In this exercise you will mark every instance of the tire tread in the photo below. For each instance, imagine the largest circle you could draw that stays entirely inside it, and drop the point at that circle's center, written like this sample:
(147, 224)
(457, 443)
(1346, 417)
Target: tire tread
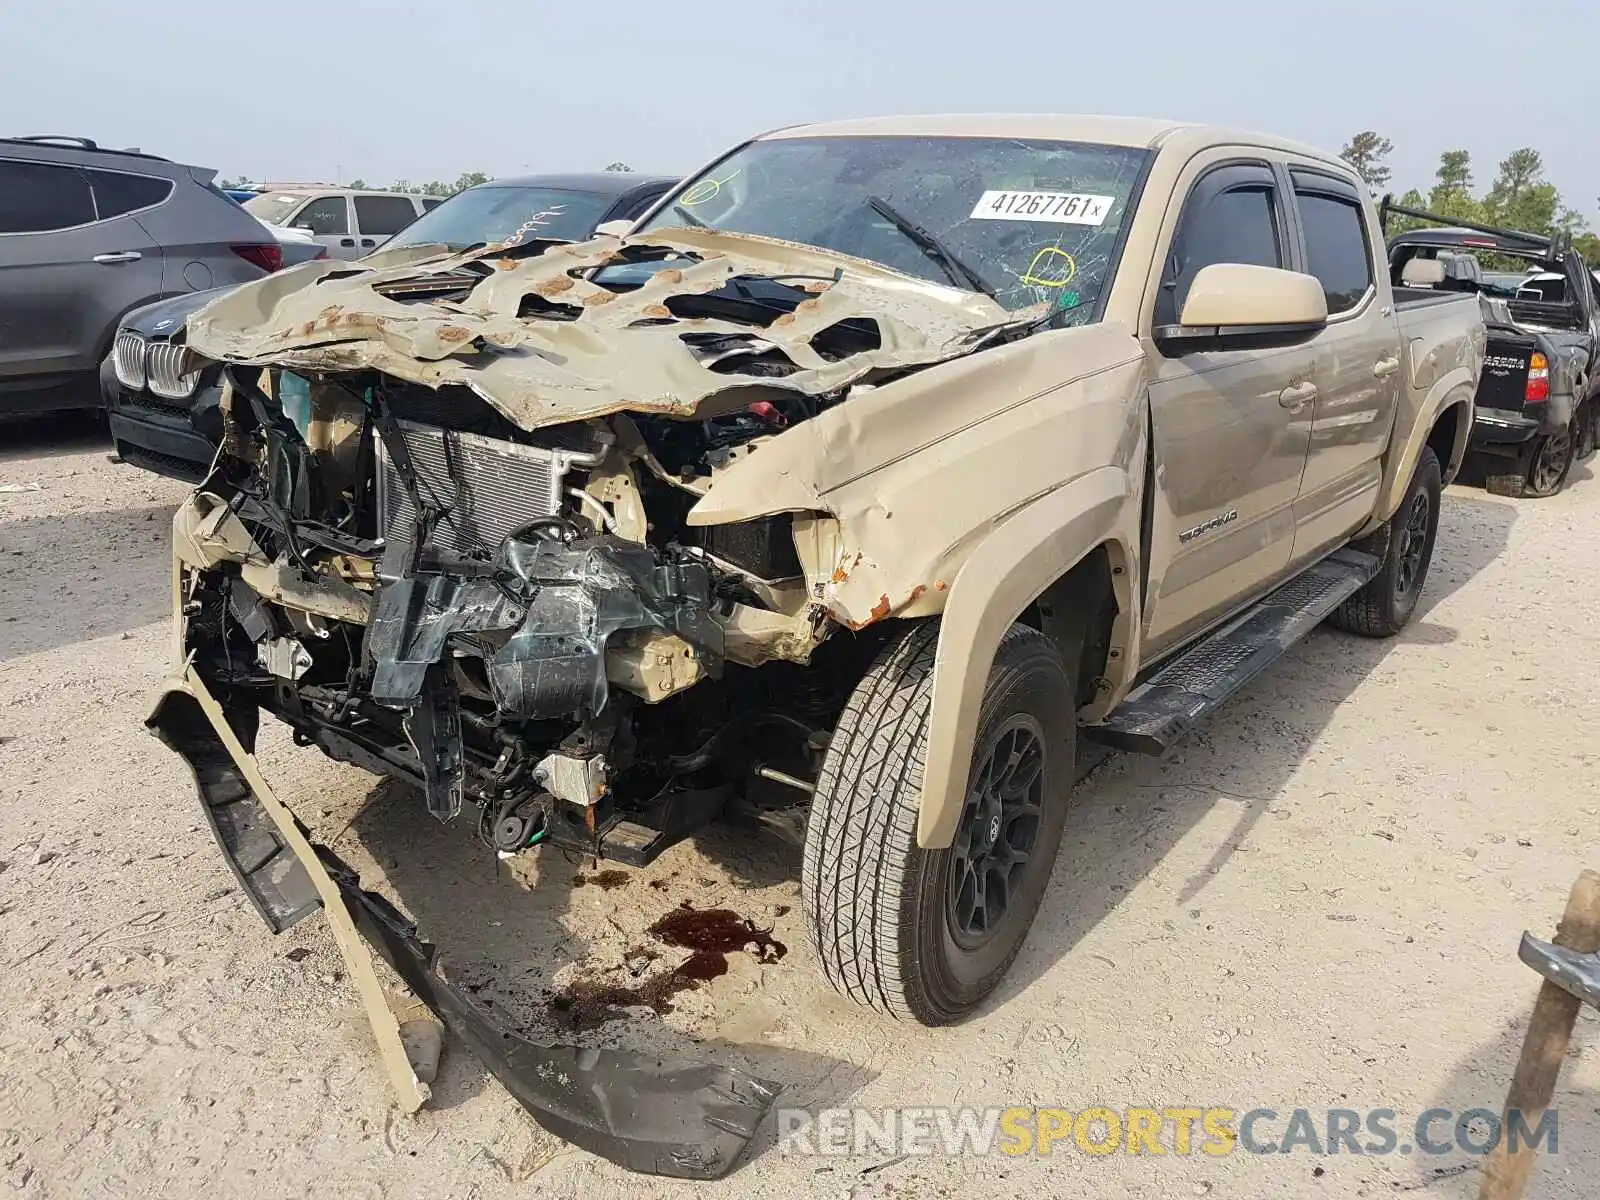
(1370, 611)
(858, 875)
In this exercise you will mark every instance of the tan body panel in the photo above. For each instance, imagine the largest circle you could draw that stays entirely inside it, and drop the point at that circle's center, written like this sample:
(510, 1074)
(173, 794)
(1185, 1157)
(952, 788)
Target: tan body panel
(1005, 574)
(967, 494)
(919, 472)
(1440, 366)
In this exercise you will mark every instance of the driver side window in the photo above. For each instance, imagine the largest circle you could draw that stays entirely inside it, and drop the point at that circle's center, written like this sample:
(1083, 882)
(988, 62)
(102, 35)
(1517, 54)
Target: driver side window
(1231, 216)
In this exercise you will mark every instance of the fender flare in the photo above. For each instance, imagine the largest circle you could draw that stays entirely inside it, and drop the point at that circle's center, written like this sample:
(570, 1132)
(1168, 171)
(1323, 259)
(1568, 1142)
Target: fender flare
(1007, 571)
(1456, 387)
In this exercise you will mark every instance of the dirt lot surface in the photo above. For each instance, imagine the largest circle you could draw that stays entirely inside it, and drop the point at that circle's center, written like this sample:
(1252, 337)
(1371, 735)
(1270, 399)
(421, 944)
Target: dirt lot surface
(1315, 904)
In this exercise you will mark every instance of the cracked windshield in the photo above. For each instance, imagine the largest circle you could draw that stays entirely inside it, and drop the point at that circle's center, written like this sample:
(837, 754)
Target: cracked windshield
(1027, 222)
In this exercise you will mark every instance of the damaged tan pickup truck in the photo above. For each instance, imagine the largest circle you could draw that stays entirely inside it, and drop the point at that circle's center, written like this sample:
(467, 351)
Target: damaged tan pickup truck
(877, 465)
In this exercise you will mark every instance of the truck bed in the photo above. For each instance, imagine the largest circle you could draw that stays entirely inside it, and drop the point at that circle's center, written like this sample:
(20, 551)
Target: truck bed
(1409, 297)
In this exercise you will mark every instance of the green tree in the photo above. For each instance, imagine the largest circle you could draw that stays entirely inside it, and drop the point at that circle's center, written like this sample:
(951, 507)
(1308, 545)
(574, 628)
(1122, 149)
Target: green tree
(239, 184)
(1402, 224)
(1452, 189)
(1366, 152)
(360, 185)
(618, 166)
(469, 179)
(1521, 198)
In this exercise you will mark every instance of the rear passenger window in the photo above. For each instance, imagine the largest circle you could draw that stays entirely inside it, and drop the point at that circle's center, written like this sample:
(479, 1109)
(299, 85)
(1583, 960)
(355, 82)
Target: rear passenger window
(327, 216)
(116, 193)
(37, 197)
(1236, 225)
(430, 203)
(1336, 249)
(383, 216)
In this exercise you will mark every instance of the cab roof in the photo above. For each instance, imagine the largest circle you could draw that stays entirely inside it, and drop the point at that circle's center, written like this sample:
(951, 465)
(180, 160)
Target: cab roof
(1139, 132)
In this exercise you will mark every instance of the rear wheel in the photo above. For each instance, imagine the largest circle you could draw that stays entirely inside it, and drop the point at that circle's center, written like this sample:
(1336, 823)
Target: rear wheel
(1382, 608)
(1552, 462)
(928, 934)
(1588, 422)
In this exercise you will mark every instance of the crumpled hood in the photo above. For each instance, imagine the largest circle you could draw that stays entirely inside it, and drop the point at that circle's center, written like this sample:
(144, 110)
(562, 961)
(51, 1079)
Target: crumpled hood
(582, 350)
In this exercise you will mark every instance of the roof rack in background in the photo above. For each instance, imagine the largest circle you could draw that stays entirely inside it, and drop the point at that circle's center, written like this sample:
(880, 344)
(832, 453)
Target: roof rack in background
(78, 143)
(1388, 205)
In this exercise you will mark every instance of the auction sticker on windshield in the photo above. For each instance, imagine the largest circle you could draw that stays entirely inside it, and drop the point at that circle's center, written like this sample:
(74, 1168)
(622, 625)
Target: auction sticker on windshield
(1067, 208)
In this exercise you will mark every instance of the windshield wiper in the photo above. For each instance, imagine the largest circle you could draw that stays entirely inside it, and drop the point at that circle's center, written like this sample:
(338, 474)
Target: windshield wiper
(688, 217)
(959, 272)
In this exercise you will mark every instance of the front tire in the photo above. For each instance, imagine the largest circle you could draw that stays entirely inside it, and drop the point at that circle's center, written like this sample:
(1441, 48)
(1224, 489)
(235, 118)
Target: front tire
(928, 934)
(1382, 608)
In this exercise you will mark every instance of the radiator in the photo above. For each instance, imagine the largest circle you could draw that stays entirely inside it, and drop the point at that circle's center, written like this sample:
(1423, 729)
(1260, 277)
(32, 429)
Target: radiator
(487, 488)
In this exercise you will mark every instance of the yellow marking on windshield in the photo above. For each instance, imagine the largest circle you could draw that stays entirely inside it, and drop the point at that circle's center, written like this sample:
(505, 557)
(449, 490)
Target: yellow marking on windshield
(1052, 267)
(706, 189)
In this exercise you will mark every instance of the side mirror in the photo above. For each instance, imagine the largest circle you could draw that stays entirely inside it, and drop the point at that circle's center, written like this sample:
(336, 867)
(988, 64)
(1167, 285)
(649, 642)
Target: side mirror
(1232, 304)
(1233, 296)
(616, 229)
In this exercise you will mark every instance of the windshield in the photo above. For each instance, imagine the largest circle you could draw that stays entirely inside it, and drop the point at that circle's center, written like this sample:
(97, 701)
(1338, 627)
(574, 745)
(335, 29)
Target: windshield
(505, 212)
(273, 207)
(1032, 221)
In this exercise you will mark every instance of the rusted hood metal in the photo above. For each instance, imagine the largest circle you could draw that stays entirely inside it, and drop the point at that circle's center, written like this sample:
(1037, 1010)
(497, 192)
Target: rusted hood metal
(623, 351)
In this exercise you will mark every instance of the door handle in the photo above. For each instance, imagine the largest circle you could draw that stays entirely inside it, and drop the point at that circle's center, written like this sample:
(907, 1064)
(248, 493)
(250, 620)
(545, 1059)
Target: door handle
(1297, 395)
(119, 256)
(1385, 367)
(368, 242)
(347, 241)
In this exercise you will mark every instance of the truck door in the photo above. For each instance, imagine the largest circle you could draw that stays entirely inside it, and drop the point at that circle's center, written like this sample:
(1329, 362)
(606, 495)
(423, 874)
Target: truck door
(1356, 370)
(327, 220)
(1231, 422)
(379, 218)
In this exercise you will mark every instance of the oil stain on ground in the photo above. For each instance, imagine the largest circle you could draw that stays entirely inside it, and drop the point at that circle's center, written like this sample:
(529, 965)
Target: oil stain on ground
(607, 880)
(709, 934)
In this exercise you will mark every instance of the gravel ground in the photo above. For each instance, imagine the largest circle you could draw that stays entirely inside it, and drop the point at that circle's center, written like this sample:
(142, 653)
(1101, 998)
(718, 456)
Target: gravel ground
(1315, 904)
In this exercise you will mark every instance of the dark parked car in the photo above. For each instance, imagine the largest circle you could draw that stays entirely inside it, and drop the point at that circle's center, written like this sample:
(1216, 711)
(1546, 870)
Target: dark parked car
(1538, 399)
(88, 234)
(168, 421)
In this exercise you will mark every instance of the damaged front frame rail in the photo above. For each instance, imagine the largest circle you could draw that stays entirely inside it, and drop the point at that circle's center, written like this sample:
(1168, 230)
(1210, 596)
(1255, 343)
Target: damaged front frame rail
(686, 1120)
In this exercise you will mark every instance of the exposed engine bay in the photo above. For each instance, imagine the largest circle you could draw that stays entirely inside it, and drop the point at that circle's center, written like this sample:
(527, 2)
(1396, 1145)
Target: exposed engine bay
(420, 576)
(487, 613)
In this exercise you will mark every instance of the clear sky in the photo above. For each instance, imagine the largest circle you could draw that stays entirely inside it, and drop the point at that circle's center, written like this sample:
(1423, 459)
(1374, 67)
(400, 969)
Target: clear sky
(425, 89)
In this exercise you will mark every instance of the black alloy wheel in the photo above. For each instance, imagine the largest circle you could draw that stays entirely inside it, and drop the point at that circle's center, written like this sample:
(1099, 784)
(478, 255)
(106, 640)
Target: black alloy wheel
(999, 828)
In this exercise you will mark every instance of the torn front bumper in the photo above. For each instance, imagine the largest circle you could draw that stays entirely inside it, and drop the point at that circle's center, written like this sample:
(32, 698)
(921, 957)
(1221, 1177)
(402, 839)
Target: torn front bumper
(686, 1120)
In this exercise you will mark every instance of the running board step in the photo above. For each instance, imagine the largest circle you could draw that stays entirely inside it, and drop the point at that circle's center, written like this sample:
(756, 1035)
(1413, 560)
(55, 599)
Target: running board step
(1158, 712)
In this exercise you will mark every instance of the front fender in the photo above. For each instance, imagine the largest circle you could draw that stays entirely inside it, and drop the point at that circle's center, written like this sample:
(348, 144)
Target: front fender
(1006, 572)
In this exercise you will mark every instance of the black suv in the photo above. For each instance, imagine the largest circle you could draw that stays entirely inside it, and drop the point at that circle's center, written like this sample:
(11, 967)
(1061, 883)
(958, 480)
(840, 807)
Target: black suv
(87, 234)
